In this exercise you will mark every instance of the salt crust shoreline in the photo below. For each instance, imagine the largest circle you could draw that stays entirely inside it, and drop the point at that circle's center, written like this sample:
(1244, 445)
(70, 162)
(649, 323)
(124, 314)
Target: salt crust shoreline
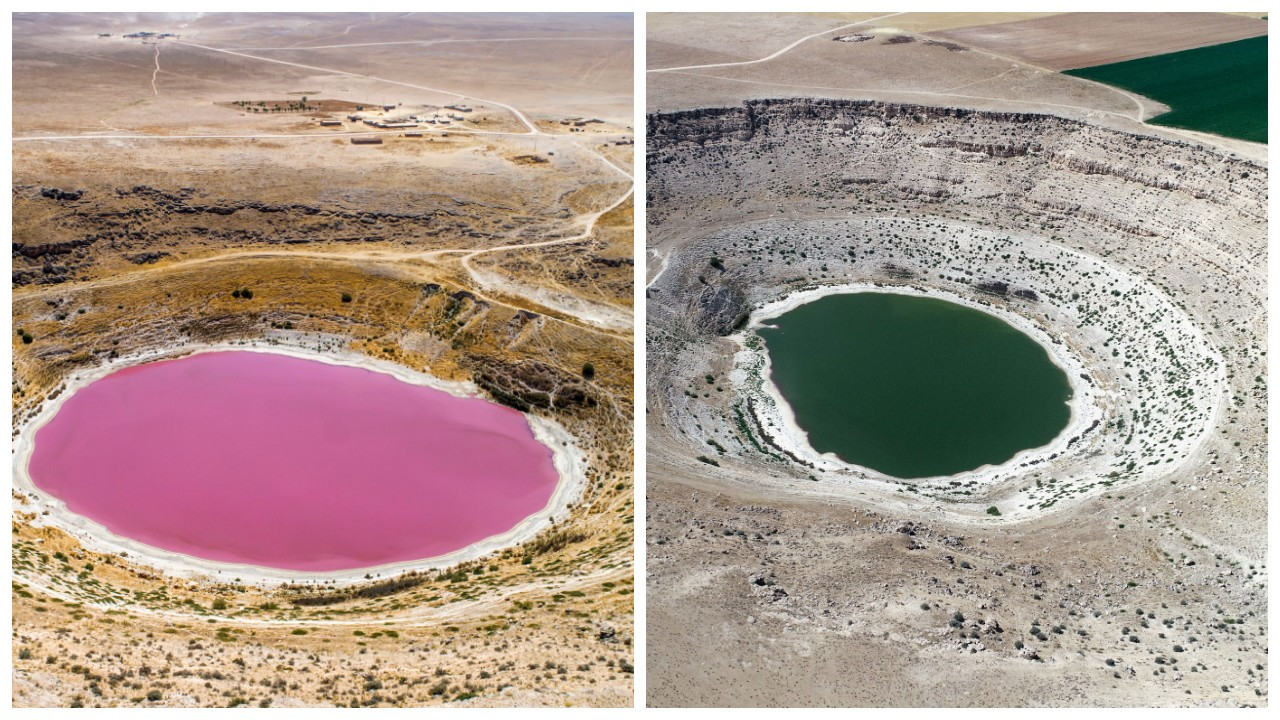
(568, 460)
(787, 433)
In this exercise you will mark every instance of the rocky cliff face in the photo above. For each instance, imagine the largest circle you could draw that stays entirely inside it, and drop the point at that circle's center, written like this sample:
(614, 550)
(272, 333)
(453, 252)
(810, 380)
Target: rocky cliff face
(1131, 250)
(709, 125)
(142, 224)
(907, 145)
(1018, 171)
(718, 310)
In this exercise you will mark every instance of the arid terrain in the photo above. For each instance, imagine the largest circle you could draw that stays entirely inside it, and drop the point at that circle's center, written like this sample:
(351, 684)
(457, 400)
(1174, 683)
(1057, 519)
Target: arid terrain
(448, 193)
(1125, 564)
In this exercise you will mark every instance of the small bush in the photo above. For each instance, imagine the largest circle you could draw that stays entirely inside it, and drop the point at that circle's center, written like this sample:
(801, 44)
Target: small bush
(346, 297)
(993, 511)
(588, 371)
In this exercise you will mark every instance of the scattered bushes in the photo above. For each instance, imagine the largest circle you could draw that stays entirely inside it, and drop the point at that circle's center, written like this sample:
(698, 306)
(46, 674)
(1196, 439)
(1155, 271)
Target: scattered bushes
(553, 541)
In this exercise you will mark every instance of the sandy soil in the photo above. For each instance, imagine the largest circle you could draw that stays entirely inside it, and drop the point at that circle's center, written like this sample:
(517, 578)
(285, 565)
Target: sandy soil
(690, 38)
(1076, 40)
(486, 57)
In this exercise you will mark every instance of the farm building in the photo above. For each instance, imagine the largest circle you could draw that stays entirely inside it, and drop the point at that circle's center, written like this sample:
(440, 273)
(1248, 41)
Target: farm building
(366, 141)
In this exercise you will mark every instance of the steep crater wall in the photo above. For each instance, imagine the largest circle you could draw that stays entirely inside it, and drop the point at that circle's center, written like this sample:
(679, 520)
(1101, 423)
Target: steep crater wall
(1138, 262)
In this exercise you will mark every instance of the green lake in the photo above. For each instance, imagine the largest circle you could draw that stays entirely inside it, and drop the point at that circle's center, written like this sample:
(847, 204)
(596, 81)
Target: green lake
(914, 386)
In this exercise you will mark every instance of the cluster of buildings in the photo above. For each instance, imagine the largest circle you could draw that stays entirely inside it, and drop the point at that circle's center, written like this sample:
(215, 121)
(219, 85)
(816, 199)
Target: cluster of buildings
(144, 35)
(410, 121)
(375, 122)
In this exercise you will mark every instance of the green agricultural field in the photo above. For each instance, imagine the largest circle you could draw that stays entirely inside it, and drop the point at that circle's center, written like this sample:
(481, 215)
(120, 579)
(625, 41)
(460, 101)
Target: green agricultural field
(1220, 89)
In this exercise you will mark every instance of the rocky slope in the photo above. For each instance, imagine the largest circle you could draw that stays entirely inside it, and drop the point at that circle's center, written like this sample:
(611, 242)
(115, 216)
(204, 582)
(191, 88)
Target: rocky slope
(1140, 258)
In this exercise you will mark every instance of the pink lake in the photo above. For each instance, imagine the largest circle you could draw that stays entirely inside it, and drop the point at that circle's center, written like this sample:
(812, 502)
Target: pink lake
(276, 461)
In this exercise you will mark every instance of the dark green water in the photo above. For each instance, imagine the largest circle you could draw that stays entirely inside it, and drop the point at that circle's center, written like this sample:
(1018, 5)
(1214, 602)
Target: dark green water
(912, 386)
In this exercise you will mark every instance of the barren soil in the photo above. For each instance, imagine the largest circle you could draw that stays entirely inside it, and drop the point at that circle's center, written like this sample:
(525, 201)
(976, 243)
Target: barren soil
(1076, 40)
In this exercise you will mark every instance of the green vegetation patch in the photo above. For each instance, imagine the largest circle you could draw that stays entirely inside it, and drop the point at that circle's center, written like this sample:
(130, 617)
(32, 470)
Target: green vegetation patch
(1219, 89)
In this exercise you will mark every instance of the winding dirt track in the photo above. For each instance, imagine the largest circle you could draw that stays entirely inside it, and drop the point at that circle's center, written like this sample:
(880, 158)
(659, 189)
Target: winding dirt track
(620, 330)
(154, 89)
(604, 320)
(1141, 114)
(778, 53)
(423, 616)
(442, 42)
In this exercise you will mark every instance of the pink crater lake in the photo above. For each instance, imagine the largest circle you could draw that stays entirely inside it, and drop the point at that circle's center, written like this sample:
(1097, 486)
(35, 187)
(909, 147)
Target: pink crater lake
(275, 461)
